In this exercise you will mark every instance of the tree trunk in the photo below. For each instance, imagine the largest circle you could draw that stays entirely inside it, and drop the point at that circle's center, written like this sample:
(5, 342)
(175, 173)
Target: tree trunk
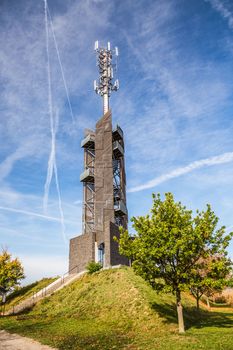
(208, 302)
(198, 299)
(180, 312)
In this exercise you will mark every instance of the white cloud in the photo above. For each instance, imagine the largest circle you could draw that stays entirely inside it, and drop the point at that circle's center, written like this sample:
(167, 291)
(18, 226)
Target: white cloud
(222, 9)
(22, 213)
(221, 159)
(24, 115)
(23, 151)
(24, 123)
(175, 99)
(39, 266)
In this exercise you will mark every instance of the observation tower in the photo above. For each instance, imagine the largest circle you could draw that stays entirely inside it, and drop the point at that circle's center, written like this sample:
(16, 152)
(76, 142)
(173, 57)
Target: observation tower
(103, 178)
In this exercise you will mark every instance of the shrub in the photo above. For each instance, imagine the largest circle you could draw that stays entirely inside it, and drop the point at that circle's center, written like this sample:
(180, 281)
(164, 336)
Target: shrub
(221, 299)
(93, 266)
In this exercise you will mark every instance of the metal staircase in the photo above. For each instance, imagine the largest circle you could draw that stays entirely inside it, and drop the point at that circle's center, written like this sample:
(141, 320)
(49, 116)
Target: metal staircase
(88, 179)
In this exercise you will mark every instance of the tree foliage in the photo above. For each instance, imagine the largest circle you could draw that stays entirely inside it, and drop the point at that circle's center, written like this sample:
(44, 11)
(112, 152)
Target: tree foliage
(11, 272)
(210, 275)
(169, 242)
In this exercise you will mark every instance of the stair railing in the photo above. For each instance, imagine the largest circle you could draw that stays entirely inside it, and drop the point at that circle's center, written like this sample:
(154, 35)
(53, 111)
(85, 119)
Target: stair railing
(33, 296)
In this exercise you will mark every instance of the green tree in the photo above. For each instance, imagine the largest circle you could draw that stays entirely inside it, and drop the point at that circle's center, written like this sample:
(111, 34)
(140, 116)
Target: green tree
(230, 280)
(209, 275)
(11, 272)
(168, 244)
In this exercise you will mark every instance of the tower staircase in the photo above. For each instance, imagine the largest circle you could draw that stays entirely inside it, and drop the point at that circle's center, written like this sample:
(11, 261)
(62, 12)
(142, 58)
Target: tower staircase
(55, 286)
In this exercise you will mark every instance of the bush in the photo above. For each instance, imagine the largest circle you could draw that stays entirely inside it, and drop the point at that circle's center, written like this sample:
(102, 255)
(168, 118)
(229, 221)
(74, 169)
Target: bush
(93, 266)
(221, 299)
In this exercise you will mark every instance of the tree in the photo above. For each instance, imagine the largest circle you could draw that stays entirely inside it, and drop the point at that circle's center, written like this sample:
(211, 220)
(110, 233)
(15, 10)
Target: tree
(11, 272)
(168, 244)
(209, 275)
(230, 280)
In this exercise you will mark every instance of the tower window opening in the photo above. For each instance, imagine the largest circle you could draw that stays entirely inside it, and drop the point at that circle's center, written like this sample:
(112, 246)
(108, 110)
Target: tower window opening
(101, 254)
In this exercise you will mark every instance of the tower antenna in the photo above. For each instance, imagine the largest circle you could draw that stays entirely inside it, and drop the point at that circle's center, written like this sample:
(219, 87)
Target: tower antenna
(106, 84)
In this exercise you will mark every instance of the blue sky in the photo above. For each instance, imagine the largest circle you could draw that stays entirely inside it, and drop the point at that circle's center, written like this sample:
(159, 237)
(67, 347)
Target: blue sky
(175, 106)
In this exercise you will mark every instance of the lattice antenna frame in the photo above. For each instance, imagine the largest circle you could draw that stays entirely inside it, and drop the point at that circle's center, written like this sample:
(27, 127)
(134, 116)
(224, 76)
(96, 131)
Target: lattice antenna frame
(106, 60)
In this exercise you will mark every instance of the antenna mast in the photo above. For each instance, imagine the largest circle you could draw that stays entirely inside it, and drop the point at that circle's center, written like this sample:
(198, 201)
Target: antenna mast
(105, 84)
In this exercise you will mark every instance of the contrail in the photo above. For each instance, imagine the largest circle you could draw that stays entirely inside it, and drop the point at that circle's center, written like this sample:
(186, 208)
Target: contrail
(52, 167)
(30, 213)
(54, 130)
(50, 105)
(51, 162)
(221, 159)
(60, 64)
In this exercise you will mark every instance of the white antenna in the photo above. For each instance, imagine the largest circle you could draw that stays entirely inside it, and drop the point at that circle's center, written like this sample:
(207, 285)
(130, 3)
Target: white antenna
(105, 84)
(117, 84)
(95, 86)
(96, 45)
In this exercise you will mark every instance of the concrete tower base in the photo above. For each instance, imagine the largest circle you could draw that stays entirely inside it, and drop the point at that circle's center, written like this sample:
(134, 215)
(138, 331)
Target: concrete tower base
(83, 249)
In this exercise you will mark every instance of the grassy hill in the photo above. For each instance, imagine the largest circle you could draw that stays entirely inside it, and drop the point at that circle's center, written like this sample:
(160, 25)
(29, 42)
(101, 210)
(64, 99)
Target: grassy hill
(115, 309)
(26, 292)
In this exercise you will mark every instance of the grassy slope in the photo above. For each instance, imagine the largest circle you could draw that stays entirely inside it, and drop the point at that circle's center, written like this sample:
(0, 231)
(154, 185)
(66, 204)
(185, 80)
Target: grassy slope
(26, 292)
(115, 309)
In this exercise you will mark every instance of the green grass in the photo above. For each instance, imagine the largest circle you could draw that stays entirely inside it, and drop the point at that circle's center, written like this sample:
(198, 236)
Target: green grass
(115, 309)
(26, 292)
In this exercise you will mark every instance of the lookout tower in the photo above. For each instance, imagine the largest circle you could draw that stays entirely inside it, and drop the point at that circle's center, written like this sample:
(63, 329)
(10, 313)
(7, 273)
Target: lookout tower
(103, 178)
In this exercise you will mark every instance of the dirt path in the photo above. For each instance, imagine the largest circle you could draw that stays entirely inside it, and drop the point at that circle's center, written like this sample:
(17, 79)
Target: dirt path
(16, 342)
